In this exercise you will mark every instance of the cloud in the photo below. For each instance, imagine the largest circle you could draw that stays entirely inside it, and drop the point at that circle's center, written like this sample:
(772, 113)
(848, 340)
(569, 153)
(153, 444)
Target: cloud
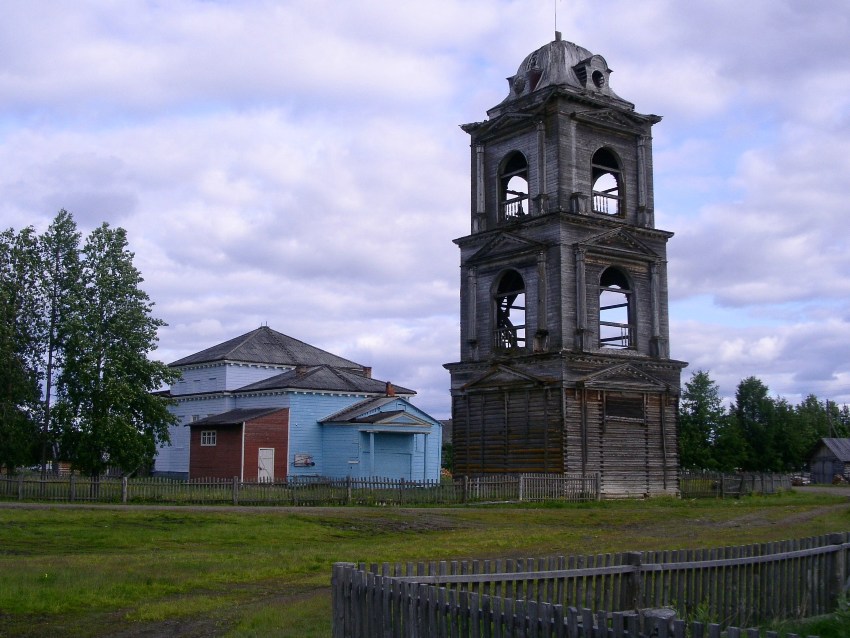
(299, 164)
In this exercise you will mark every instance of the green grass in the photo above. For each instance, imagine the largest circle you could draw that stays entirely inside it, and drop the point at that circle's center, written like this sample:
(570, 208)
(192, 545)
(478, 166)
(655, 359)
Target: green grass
(265, 572)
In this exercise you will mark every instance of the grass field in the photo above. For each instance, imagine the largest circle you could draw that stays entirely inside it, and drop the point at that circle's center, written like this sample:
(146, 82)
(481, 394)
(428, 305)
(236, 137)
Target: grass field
(102, 571)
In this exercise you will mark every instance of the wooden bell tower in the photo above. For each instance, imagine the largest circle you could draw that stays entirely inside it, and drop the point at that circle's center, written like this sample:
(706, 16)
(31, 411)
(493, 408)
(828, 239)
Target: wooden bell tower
(565, 362)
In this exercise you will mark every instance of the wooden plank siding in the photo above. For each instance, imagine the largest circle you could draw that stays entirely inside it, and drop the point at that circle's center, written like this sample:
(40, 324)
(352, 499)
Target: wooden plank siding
(270, 431)
(548, 430)
(222, 460)
(507, 431)
(636, 457)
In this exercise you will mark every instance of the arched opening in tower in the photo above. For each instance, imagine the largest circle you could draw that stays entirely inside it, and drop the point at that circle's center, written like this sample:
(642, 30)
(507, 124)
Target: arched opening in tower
(616, 329)
(513, 187)
(510, 311)
(606, 189)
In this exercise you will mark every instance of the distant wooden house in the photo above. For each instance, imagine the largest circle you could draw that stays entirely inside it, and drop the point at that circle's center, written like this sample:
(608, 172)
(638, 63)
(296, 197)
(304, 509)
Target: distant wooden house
(265, 406)
(830, 458)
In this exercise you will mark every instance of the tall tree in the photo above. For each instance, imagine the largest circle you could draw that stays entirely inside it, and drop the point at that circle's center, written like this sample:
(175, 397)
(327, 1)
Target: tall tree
(60, 284)
(729, 450)
(839, 419)
(755, 413)
(20, 325)
(107, 406)
(794, 435)
(701, 416)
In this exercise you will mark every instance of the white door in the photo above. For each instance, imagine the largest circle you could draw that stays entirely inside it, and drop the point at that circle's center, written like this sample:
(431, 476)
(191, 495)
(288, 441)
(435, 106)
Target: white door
(265, 464)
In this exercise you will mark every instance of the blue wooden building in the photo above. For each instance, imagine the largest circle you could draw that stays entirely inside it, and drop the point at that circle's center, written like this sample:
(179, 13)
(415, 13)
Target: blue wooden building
(333, 418)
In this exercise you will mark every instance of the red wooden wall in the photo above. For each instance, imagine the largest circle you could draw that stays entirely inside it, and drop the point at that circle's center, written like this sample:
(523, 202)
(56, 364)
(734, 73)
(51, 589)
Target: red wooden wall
(271, 431)
(224, 459)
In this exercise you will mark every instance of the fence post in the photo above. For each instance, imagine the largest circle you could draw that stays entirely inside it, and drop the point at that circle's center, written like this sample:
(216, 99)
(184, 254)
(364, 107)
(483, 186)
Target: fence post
(348, 490)
(465, 488)
(521, 486)
(838, 575)
(634, 581)
(72, 486)
(340, 597)
(124, 489)
(20, 487)
(598, 478)
(236, 490)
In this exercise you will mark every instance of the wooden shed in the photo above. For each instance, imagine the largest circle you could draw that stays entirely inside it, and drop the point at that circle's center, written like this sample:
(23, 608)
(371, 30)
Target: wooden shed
(249, 443)
(831, 457)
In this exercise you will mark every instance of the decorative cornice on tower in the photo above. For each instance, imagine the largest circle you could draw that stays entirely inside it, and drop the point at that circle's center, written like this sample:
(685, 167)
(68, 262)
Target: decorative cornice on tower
(622, 376)
(619, 241)
(505, 246)
(619, 120)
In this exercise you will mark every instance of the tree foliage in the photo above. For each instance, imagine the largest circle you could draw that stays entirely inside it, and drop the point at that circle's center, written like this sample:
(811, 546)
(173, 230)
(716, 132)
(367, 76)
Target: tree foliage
(109, 414)
(20, 326)
(701, 420)
(755, 414)
(758, 433)
(60, 284)
(76, 330)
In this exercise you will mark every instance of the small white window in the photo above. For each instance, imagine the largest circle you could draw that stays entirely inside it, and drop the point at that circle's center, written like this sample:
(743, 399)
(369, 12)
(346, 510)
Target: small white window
(208, 437)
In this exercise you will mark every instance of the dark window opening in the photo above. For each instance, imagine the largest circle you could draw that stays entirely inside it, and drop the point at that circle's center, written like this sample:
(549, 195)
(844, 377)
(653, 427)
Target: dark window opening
(513, 187)
(606, 183)
(510, 311)
(598, 79)
(616, 325)
(624, 406)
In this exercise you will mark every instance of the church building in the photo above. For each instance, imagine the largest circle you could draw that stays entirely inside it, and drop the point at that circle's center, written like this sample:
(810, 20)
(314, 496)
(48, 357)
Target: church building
(264, 406)
(564, 339)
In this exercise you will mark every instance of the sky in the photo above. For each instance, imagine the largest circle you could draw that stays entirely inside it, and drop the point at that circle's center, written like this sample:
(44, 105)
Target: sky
(299, 164)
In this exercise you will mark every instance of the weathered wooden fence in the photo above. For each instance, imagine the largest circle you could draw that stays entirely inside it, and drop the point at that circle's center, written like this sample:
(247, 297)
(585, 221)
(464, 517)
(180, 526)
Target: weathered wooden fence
(731, 586)
(304, 491)
(374, 491)
(719, 485)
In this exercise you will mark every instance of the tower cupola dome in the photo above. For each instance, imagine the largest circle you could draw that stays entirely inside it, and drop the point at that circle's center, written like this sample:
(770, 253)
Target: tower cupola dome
(562, 64)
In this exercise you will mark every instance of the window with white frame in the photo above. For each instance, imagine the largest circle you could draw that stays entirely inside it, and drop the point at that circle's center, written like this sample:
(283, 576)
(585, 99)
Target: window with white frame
(208, 437)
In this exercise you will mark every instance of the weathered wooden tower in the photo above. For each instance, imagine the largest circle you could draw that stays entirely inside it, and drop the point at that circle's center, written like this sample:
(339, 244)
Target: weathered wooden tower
(565, 362)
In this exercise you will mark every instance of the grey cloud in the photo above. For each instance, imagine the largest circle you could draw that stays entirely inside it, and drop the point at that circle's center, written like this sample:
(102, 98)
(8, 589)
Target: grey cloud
(300, 164)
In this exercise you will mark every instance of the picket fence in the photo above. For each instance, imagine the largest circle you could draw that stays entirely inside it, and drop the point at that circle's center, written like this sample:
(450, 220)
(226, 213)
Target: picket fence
(304, 491)
(317, 491)
(732, 586)
(704, 484)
